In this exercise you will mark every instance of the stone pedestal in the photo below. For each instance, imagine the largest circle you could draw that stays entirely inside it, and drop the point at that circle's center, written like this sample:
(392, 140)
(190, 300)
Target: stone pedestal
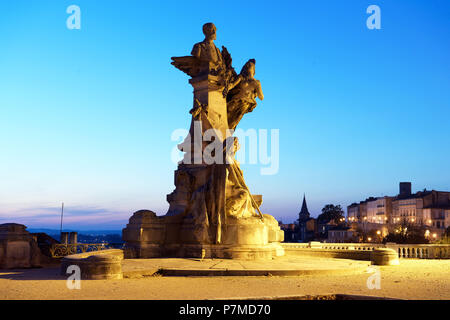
(384, 257)
(209, 114)
(150, 236)
(73, 237)
(96, 265)
(18, 248)
(64, 238)
(209, 92)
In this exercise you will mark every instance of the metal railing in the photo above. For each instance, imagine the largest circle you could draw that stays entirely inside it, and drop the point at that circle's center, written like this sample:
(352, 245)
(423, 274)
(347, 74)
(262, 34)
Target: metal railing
(61, 249)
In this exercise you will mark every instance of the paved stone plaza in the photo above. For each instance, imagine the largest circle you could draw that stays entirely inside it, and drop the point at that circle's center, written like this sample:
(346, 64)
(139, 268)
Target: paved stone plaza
(413, 279)
(283, 266)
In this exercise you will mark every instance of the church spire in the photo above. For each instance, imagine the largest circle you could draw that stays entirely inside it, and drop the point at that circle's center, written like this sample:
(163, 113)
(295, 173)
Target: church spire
(304, 213)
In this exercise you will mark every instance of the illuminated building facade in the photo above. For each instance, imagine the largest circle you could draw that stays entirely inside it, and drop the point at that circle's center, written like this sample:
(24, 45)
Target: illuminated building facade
(429, 208)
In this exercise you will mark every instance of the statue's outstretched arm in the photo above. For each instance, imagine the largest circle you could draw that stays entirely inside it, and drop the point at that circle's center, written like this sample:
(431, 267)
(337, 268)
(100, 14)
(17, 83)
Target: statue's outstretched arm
(235, 83)
(259, 91)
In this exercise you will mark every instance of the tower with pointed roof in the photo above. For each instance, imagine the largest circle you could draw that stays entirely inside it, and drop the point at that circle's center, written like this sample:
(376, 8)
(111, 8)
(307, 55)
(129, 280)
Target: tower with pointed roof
(304, 213)
(307, 226)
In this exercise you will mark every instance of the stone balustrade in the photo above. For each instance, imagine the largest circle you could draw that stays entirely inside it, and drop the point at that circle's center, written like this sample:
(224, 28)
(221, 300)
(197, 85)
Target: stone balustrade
(352, 246)
(417, 251)
(330, 250)
(421, 251)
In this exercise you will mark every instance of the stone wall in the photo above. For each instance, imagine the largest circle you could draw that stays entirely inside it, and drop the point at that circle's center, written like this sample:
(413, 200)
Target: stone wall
(18, 248)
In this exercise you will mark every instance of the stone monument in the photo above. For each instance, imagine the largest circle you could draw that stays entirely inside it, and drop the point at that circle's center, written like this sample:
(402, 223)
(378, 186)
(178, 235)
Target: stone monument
(212, 213)
(18, 248)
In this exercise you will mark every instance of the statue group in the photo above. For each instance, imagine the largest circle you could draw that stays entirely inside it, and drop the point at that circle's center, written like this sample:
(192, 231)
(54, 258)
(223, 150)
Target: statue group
(212, 212)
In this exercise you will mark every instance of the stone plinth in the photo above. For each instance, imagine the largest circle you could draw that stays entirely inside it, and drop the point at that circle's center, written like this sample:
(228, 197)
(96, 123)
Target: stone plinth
(150, 236)
(209, 118)
(64, 238)
(73, 237)
(18, 249)
(97, 265)
(209, 92)
(384, 257)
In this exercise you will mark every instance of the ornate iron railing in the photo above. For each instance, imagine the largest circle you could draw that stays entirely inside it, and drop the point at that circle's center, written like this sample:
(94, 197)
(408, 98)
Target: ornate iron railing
(61, 250)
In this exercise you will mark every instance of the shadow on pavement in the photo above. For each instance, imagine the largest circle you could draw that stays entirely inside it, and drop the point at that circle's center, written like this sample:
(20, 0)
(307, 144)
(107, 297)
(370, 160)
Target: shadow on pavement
(46, 273)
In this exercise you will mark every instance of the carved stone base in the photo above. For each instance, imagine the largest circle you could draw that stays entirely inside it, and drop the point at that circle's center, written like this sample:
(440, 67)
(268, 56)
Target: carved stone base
(96, 265)
(150, 236)
(205, 251)
(242, 252)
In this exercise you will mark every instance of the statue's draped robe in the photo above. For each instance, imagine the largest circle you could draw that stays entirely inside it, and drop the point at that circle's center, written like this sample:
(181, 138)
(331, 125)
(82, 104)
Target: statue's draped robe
(224, 195)
(209, 206)
(239, 104)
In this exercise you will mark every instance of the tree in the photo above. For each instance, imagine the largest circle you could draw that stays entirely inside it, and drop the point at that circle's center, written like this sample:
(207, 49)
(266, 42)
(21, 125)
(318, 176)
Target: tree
(331, 213)
(372, 235)
(445, 237)
(408, 233)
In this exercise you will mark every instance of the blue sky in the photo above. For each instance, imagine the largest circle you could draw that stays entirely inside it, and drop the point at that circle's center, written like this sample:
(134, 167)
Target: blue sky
(86, 115)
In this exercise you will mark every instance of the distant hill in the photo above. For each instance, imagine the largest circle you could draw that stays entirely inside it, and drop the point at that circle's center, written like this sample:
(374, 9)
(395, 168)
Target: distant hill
(85, 236)
(85, 232)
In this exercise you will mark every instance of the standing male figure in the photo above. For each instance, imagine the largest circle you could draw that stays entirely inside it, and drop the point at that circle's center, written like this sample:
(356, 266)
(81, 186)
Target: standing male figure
(207, 51)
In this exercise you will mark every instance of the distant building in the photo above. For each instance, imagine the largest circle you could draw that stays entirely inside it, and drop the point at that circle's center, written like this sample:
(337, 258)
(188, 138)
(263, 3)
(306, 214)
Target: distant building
(379, 210)
(323, 229)
(341, 235)
(304, 213)
(307, 226)
(357, 212)
(353, 212)
(290, 232)
(363, 210)
(429, 208)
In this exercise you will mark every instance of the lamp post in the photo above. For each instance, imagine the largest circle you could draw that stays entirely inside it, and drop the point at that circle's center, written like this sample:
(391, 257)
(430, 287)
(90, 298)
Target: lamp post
(62, 213)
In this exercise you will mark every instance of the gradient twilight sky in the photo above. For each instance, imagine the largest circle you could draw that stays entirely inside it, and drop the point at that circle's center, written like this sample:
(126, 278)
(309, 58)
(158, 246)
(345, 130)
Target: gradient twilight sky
(86, 116)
